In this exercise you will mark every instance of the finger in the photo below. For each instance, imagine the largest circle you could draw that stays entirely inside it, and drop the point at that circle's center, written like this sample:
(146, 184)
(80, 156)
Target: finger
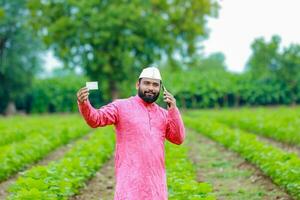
(170, 100)
(167, 99)
(167, 93)
(84, 96)
(83, 99)
(168, 96)
(83, 93)
(80, 97)
(84, 89)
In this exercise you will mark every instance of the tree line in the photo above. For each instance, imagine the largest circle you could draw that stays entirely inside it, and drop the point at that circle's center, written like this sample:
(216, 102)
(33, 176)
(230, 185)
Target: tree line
(111, 41)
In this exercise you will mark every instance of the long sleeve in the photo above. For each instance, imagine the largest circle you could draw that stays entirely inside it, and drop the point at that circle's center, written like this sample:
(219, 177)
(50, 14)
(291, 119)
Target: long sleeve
(106, 115)
(175, 131)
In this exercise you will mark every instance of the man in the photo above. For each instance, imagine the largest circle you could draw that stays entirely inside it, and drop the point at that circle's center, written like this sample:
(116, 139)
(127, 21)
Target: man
(141, 127)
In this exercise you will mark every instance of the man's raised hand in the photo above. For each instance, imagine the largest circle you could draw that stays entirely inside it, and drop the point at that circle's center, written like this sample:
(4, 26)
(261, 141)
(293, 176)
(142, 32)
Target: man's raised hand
(83, 94)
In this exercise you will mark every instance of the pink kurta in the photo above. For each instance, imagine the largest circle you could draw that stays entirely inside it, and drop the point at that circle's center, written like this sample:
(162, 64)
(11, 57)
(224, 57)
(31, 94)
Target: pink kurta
(141, 130)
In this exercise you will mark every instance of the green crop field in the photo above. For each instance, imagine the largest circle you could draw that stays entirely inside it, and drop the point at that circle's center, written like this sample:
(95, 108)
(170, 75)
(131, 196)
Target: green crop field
(234, 76)
(228, 154)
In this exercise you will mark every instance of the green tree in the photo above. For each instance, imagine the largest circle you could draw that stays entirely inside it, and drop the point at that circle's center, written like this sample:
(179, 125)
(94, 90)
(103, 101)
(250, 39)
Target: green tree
(212, 62)
(203, 83)
(289, 70)
(265, 58)
(18, 53)
(275, 71)
(113, 40)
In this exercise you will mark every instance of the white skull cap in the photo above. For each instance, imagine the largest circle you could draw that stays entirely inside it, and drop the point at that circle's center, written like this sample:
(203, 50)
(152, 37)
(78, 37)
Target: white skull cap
(150, 72)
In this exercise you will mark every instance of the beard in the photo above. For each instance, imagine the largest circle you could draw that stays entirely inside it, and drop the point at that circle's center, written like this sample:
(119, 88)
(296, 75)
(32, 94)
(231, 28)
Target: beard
(148, 97)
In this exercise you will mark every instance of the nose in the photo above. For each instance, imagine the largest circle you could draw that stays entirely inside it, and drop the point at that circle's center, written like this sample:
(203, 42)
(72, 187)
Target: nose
(151, 88)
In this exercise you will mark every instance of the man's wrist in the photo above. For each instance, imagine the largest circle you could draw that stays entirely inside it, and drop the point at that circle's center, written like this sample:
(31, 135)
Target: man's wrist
(81, 102)
(172, 107)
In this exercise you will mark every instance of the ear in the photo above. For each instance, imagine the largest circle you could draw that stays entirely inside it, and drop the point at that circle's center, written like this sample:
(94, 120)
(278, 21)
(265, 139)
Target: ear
(137, 85)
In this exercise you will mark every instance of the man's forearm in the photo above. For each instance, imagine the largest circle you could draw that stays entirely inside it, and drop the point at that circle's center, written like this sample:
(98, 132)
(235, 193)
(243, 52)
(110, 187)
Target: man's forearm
(176, 130)
(106, 115)
(88, 113)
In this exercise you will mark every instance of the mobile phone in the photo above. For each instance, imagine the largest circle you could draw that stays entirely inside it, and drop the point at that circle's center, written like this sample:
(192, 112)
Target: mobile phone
(164, 89)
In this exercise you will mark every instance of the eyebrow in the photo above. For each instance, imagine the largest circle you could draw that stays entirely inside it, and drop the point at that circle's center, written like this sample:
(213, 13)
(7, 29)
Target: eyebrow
(151, 82)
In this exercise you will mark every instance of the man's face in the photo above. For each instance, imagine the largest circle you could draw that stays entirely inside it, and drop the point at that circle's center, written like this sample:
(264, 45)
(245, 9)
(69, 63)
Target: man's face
(149, 89)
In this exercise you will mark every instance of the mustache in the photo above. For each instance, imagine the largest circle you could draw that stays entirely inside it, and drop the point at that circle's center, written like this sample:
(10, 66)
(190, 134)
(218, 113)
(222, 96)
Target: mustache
(150, 92)
(148, 98)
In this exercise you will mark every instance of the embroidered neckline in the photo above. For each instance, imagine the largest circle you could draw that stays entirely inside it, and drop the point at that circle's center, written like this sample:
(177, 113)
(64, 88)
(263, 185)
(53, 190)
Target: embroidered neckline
(139, 99)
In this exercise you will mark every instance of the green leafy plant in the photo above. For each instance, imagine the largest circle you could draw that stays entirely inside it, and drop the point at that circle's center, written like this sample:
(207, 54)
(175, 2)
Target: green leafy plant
(181, 176)
(43, 139)
(282, 167)
(63, 178)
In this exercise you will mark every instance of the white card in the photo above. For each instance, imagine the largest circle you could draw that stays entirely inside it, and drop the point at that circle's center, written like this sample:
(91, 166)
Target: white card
(92, 85)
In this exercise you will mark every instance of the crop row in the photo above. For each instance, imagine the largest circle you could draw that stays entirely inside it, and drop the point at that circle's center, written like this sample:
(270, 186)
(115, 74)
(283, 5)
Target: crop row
(280, 124)
(17, 155)
(15, 129)
(181, 176)
(63, 178)
(282, 167)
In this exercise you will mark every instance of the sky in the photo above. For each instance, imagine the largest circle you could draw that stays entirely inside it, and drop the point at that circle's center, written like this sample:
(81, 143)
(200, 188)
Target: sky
(239, 22)
(51, 62)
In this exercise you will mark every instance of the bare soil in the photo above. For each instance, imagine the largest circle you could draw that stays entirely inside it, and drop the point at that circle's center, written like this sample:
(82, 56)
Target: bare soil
(101, 187)
(231, 176)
